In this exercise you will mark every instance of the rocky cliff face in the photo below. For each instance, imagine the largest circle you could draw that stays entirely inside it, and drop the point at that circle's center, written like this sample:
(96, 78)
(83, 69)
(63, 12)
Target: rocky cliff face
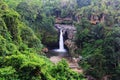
(69, 31)
(94, 19)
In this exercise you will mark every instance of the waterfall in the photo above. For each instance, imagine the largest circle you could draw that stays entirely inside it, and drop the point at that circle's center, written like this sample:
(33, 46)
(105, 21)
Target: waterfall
(61, 43)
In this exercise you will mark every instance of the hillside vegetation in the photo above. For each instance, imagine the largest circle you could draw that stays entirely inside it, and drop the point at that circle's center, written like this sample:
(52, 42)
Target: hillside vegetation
(27, 26)
(20, 52)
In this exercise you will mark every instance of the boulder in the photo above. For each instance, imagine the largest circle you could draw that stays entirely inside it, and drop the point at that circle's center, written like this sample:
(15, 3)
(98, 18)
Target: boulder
(45, 50)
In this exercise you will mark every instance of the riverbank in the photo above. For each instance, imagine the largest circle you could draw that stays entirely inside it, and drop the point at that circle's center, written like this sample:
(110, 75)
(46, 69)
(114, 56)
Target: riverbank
(72, 63)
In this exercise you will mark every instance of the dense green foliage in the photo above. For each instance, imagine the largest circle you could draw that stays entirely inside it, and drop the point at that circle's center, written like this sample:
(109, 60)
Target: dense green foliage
(100, 49)
(20, 49)
(34, 16)
(99, 43)
(97, 38)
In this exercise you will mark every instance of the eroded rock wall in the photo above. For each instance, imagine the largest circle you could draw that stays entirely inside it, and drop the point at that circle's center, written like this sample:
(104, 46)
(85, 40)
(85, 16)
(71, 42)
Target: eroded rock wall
(70, 41)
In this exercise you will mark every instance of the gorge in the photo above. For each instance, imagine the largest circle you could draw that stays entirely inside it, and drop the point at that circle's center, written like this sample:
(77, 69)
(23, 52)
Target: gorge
(59, 39)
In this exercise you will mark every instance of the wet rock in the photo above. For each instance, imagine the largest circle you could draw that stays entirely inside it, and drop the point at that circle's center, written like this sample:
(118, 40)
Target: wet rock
(45, 50)
(77, 59)
(70, 34)
(70, 41)
(71, 46)
(65, 27)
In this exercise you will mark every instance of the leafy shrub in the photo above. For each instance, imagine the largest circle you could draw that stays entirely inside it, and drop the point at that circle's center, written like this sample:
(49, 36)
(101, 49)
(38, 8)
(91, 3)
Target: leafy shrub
(18, 57)
(4, 31)
(30, 38)
(62, 69)
(8, 73)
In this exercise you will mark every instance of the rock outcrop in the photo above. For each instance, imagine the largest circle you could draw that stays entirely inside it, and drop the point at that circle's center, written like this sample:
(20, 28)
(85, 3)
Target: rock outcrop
(71, 46)
(94, 19)
(45, 50)
(70, 31)
(63, 20)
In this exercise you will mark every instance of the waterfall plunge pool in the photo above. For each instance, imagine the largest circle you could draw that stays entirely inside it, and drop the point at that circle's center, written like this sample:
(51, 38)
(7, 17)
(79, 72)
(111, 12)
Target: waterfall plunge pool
(61, 43)
(62, 52)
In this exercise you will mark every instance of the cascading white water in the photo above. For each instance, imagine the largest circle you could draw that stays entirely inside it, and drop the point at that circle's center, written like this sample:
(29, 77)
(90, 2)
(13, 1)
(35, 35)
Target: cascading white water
(61, 43)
